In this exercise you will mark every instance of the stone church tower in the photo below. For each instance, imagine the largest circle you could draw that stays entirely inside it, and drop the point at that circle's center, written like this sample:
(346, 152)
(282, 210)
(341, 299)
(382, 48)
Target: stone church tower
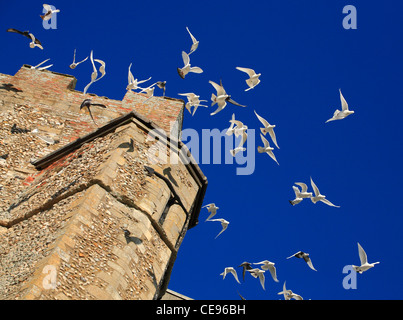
(90, 209)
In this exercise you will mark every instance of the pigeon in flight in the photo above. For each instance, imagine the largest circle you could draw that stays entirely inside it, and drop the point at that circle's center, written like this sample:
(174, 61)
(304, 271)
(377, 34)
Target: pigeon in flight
(268, 128)
(364, 261)
(258, 273)
(133, 84)
(221, 98)
(266, 148)
(193, 101)
(245, 266)
(187, 68)
(49, 12)
(87, 104)
(288, 294)
(34, 41)
(212, 208)
(94, 74)
(300, 194)
(338, 115)
(320, 197)
(195, 43)
(101, 69)
(224, 225)
(253, 80)
(267, 265)
(42, 68)
(304, 256)
(230, 270)
(75, 64)
(162, 85)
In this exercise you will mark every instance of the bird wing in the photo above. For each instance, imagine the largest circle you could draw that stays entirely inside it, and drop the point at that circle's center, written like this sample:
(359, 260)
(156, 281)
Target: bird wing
(329, 203)
(293, 256)
(304, 187)
(315, 188)
(273, 137)
(296, 190)
(185, 58)
(233, 271)
(250, 72)
(262, 120)
(362, 254)
(309, 262)
(196, 70)
(219, 88)
(235, 103)
(344, 104)
(262, 278)
(191, 35)
(47, 7)
(130, 77)
(266, 143)
(272, 270)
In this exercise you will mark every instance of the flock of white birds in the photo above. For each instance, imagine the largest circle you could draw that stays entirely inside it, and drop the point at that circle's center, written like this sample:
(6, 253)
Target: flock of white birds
(221, 98)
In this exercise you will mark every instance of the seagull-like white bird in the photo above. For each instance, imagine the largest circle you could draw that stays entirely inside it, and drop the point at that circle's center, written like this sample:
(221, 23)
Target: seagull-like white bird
(230, 270)
(133, 84)
(195, 43)
(75, 64)
(266, 148)
(267, 265)
(338, 115)
(224, 225)
(101, 68)
(253, 80)
(304, 256)
(364, 261)
(268, 128)
(258, 273)
(187, 68)
(94, 73)
(232, 127)
(300, 194)
(239, 130)
(49, 12)
(42, 68)
(320, 197)
(221, 98)
(288, 294)
(193, 101)
(212, 208)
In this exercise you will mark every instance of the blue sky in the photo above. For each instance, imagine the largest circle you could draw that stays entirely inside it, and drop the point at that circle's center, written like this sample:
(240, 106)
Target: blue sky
(304, 55)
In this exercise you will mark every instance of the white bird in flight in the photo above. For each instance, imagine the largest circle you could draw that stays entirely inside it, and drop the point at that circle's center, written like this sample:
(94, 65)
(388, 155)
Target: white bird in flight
(230, 270)
(42, 68)
(268, 128)
(75, 64)
(320, 197)
(133, 84)
(101, 68)
(266, 148)
(304, 256)
(239, 130)
(212, 208)
(221, 98)
(94, 73)
(253, 80)
(338, 115)
(300, 194)
(34, 42)
(187, 68)
(195, 43)
(258, 273)
(193, 101)
(49, 12)
(224, 225)
(267, 265)
(364, 261)
(288, 294)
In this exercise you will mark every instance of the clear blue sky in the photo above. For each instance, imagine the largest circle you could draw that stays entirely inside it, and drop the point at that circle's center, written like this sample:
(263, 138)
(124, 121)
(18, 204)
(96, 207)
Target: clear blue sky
(304, 55)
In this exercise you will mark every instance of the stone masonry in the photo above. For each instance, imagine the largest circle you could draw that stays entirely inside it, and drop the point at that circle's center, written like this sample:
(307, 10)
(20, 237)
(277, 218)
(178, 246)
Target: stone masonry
(90, 211)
